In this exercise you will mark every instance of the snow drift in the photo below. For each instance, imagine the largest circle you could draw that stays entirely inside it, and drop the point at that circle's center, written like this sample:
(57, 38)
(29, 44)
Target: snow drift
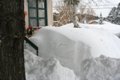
(106, 26)
(72, 46)
(100, 68)
(41, 69)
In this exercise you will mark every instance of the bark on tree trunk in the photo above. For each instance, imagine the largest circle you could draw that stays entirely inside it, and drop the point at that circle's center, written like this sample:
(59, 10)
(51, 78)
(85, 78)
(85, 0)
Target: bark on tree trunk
(11, 40)
(75, 18)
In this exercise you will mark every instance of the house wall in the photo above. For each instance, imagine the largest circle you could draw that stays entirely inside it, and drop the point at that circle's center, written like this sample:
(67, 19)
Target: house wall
(50, 12)
(26, 13)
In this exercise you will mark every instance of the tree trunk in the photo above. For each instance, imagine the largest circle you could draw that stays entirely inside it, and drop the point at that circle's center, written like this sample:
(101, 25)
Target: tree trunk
(75, 18)
(11, 40)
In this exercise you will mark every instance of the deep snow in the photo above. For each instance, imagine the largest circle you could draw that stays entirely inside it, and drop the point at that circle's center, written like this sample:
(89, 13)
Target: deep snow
(71, 46)
(100, 68)
(38, 68)
(92, 52)
(107, 26)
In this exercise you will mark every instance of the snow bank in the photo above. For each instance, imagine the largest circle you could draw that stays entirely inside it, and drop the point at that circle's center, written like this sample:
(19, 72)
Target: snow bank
(41, 69)
(72, 46)
(107, 26)
(101, 68)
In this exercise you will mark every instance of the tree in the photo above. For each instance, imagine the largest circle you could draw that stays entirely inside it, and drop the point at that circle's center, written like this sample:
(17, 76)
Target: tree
(101, 19)
(73, 4)
(86, 13)
(11, 40)
(64, 14)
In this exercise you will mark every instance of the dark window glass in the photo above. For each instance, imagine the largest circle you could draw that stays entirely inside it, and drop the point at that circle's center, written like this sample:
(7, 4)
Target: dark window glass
(32, 3)
(33, 13)
(34, 17)
(41, 4)
(33, 22)
(42, 22)
(41, 13)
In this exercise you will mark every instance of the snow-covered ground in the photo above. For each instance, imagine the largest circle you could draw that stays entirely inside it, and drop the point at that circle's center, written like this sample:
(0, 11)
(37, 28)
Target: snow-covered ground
(78, 49)
(38, 68)
(109, 27)
(113, 28)
(101, 68)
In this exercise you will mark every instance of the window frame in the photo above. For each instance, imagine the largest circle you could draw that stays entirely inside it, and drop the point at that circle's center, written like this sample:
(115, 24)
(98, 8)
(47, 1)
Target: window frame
(37, 18)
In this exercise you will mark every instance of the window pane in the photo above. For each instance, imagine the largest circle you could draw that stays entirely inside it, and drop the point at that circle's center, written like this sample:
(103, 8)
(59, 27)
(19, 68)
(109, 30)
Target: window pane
(42, 22)
(32, 12)
(33, 22)
(32, 3)
(41, 4)
(41, 13)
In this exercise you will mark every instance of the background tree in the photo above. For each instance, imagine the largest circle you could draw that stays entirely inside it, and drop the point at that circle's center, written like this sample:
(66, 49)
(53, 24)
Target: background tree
(86, 13)
(63, 15)
(73, 4)
(11, 40)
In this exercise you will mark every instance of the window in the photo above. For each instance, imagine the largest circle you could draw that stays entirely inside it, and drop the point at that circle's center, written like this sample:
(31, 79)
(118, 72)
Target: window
(41, 22)
(37, 13)
(41, 4)
(41, 13)
(32, 3)
(33, 22)
(33, 13)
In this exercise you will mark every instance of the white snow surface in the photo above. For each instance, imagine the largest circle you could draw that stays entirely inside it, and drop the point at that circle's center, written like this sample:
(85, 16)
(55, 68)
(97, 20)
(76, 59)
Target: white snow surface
(92, 52)
(100, 68)
(71, 46)
(38, 68)
(109, 27)
(113, 28)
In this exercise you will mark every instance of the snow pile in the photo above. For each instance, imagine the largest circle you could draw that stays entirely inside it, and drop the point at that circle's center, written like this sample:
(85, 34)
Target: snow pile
(107, 26)
(41, 69)
(71, 46)
(79, 50)
(101, 68)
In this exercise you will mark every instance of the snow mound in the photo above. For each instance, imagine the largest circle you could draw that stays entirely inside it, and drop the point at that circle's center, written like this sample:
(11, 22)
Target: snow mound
(71, 46)
(109, 27)
(101, 68)
(106, 26)
(41, 69)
